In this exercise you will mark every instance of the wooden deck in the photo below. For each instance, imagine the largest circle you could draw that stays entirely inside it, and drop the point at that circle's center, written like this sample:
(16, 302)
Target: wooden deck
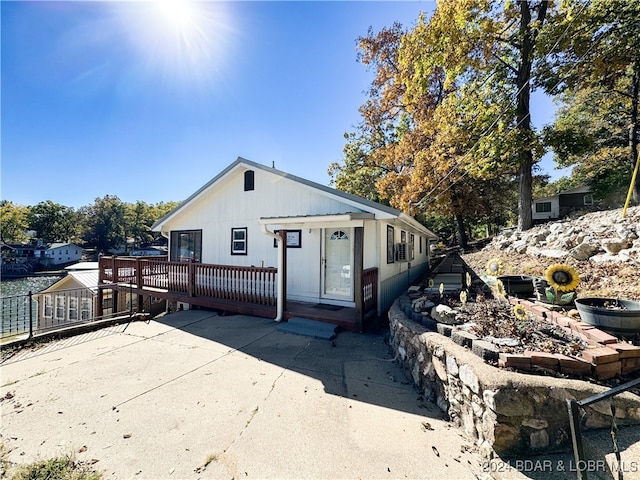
(244, 290)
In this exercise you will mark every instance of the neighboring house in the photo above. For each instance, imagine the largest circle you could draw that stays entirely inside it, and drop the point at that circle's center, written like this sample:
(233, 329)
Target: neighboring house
(18, 259)
(562, 204)
(74, 298)
(71, 299)
(149, 251)
(83, 266)
(61, 254)
(332, 236)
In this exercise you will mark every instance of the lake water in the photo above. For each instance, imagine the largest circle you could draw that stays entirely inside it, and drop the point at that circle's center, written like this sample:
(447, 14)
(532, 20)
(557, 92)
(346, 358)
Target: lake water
(21, 286)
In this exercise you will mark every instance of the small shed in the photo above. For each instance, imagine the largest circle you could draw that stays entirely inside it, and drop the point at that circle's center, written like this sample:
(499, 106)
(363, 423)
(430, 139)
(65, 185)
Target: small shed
(561, 204)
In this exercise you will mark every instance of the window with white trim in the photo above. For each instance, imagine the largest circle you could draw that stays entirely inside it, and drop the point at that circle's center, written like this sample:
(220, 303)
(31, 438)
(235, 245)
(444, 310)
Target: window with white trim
(47, 309)
(73, 308)
(239, 241)
(542, 207)
(60, 303)
(85, 309)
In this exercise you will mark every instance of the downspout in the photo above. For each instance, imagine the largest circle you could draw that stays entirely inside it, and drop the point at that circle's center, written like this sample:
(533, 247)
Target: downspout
(280, 289)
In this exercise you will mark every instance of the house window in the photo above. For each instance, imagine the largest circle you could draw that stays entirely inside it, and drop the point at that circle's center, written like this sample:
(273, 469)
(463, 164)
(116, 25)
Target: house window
(59, 313)
(249, 177)
(85, 309)
(339, 235)
(420, 245)
(47, 310)
(412, 239)
(73, 308)
(239, 241)
(293, 239)
(390, 246)
(186, 245)
(588, 200)
(543, 207)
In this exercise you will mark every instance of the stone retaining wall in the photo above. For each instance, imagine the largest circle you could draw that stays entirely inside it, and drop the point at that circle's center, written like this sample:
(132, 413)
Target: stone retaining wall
(505, 412)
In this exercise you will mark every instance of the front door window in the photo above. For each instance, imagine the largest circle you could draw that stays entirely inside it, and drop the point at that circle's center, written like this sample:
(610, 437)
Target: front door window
(338, 261)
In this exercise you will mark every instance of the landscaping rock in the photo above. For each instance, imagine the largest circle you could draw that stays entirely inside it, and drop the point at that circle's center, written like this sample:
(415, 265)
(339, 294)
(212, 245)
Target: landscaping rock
(444, 314)
(614, 246)
(585, 250)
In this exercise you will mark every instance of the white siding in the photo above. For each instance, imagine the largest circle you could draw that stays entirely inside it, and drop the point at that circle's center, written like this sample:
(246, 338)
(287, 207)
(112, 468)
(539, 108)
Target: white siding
(555, 208)
(225, 205)
(228, 206)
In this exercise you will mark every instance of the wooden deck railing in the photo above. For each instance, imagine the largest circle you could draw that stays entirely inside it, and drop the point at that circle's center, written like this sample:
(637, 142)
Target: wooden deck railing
(244, 284)
(370, 289)
(256, 285)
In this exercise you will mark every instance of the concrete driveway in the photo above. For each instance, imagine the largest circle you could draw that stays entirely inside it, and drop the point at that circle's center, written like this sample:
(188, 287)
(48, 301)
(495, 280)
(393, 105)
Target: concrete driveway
(196, 395)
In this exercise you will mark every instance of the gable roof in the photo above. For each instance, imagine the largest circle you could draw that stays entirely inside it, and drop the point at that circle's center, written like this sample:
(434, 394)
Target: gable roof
(570, 191)
(383, 211)
(62, 244)
(86, 278)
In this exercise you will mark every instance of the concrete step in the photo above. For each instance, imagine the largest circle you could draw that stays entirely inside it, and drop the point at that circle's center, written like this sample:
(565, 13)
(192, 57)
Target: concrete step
(308, 327)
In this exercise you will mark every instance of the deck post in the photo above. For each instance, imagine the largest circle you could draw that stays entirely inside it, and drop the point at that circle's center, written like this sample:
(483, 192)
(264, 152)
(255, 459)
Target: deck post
(139, 285)
(192, 278)
(283, 235)
(358, 260)
(100, 303)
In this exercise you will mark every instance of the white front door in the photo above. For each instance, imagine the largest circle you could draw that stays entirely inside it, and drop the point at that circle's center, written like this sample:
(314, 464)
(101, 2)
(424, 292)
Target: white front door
(337, 264)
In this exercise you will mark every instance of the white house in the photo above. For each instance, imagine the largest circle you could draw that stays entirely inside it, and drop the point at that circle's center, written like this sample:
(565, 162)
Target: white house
(149, 251)
(74, 299)
(332, 236)
(71, 299)
(61, 253)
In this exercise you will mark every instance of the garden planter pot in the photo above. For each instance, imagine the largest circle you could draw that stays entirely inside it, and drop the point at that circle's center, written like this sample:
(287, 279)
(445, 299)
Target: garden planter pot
(520, 286)
(610, 314)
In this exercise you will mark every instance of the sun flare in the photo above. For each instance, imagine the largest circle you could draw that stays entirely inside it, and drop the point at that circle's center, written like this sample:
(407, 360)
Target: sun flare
(176, 13)
(181, 40)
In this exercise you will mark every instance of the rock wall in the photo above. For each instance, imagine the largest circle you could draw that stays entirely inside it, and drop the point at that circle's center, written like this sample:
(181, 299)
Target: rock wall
(505, 412)
(599, 237)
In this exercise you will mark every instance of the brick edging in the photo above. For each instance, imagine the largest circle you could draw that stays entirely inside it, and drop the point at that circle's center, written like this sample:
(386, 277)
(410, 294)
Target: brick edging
(605, 357)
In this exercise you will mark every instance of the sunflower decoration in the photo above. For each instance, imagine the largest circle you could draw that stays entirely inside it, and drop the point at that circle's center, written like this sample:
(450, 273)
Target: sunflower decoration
(561, 277)
(467, 278)
(520, 312)
(495, 267)
(463, 298)
(431, 283)
(500, 289)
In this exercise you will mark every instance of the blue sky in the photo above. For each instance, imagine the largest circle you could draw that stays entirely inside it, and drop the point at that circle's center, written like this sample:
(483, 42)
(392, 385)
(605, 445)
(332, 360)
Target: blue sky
(147, 103)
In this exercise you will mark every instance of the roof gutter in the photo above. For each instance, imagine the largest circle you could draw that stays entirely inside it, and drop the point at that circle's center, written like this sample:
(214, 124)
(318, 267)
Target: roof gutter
(280, 280)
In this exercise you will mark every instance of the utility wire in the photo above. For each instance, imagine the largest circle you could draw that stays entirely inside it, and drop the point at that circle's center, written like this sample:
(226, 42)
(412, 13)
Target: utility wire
(512, 128)
(498, 118)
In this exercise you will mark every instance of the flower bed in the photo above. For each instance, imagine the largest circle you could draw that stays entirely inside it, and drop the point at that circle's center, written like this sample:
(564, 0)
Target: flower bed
(501, 409)
(541, 341)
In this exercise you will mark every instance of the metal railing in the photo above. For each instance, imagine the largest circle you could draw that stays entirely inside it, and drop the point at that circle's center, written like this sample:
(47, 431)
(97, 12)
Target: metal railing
(34, 313)
(582, 463)
(17, 315)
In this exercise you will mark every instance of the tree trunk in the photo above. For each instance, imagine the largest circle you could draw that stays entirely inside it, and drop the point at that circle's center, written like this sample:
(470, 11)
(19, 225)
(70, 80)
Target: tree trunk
(523, 114)
(462, 234)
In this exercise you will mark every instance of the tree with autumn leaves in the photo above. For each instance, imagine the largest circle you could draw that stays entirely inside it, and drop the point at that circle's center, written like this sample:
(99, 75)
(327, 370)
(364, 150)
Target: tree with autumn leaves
(446, 128)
